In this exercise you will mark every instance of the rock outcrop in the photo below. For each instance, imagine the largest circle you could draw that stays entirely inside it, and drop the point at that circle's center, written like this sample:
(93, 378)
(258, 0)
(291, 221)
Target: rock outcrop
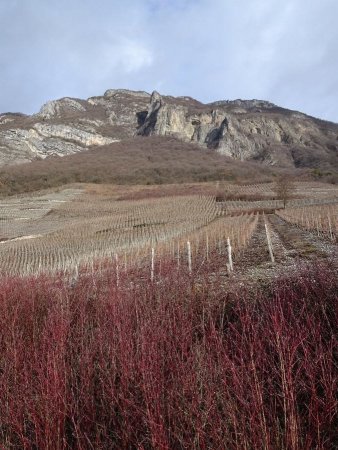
(43, 140)
(56, 108)
(242, 129)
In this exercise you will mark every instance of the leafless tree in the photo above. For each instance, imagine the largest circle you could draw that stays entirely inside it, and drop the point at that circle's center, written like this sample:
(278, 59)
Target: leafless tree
(285, 188)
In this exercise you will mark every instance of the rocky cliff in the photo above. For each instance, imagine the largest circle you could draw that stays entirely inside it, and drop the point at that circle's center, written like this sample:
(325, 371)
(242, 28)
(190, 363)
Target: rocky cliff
(246, 130)
(242, 129)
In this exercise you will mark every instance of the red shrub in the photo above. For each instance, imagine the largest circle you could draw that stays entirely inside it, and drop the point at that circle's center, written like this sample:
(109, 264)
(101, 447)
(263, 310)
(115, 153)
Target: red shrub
(180, 363)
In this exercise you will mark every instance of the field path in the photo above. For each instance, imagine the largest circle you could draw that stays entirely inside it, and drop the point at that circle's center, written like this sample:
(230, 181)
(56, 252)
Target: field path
(291, 245)
(299, 242)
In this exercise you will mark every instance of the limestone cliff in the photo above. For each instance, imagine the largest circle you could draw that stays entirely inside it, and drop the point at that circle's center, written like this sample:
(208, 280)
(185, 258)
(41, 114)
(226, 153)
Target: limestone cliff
(242, 129)
(246, 130)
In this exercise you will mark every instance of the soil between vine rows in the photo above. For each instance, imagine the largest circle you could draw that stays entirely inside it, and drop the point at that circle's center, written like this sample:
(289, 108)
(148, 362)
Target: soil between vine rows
(292, 247)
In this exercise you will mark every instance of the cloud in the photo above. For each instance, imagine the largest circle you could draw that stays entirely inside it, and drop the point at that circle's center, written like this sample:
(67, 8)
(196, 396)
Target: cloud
(279, 51)
(134, 56)
(209, 49)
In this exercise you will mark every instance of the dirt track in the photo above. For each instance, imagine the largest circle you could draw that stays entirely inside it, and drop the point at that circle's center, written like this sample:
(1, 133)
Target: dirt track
(291, 246)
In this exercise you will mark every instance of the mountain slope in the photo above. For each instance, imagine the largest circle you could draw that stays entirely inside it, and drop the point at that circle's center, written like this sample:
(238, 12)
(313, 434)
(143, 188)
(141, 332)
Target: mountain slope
(251, 130)
(155, 160)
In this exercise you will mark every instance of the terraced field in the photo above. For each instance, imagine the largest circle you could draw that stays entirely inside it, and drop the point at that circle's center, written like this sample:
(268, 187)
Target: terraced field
(63, 230)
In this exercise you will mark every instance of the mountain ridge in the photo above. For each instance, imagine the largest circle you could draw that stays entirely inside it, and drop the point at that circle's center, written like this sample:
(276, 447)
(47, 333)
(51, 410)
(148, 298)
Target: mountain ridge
(248, 130)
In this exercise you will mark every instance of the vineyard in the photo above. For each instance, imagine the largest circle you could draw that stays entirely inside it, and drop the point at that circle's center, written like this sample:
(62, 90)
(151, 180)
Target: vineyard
(321, 219)
(169, 321)
(80, 231)
(69, 229)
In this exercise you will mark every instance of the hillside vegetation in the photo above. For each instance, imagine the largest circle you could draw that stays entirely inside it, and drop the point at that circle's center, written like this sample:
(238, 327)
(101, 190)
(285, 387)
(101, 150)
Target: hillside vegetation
(153, 160)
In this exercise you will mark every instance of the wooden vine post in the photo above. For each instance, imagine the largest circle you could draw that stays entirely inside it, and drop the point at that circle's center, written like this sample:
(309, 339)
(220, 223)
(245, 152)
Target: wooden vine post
(230, 264)
(207, 248)
(268, 237)
(117, 269)
(189, 257)
(152, 264)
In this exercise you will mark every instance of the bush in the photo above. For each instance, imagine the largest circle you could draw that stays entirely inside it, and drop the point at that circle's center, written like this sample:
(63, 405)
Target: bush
(179, 363)
(152, 160)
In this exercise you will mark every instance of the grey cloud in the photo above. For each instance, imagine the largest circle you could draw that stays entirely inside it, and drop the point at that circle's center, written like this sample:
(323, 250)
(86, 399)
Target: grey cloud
(210, 49)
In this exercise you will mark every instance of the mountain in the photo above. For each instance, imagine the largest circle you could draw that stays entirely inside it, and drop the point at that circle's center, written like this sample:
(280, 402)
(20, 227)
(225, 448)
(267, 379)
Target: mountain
(247, 130)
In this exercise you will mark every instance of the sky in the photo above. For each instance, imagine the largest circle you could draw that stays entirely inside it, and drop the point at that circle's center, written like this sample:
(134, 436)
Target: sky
(285, 51)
